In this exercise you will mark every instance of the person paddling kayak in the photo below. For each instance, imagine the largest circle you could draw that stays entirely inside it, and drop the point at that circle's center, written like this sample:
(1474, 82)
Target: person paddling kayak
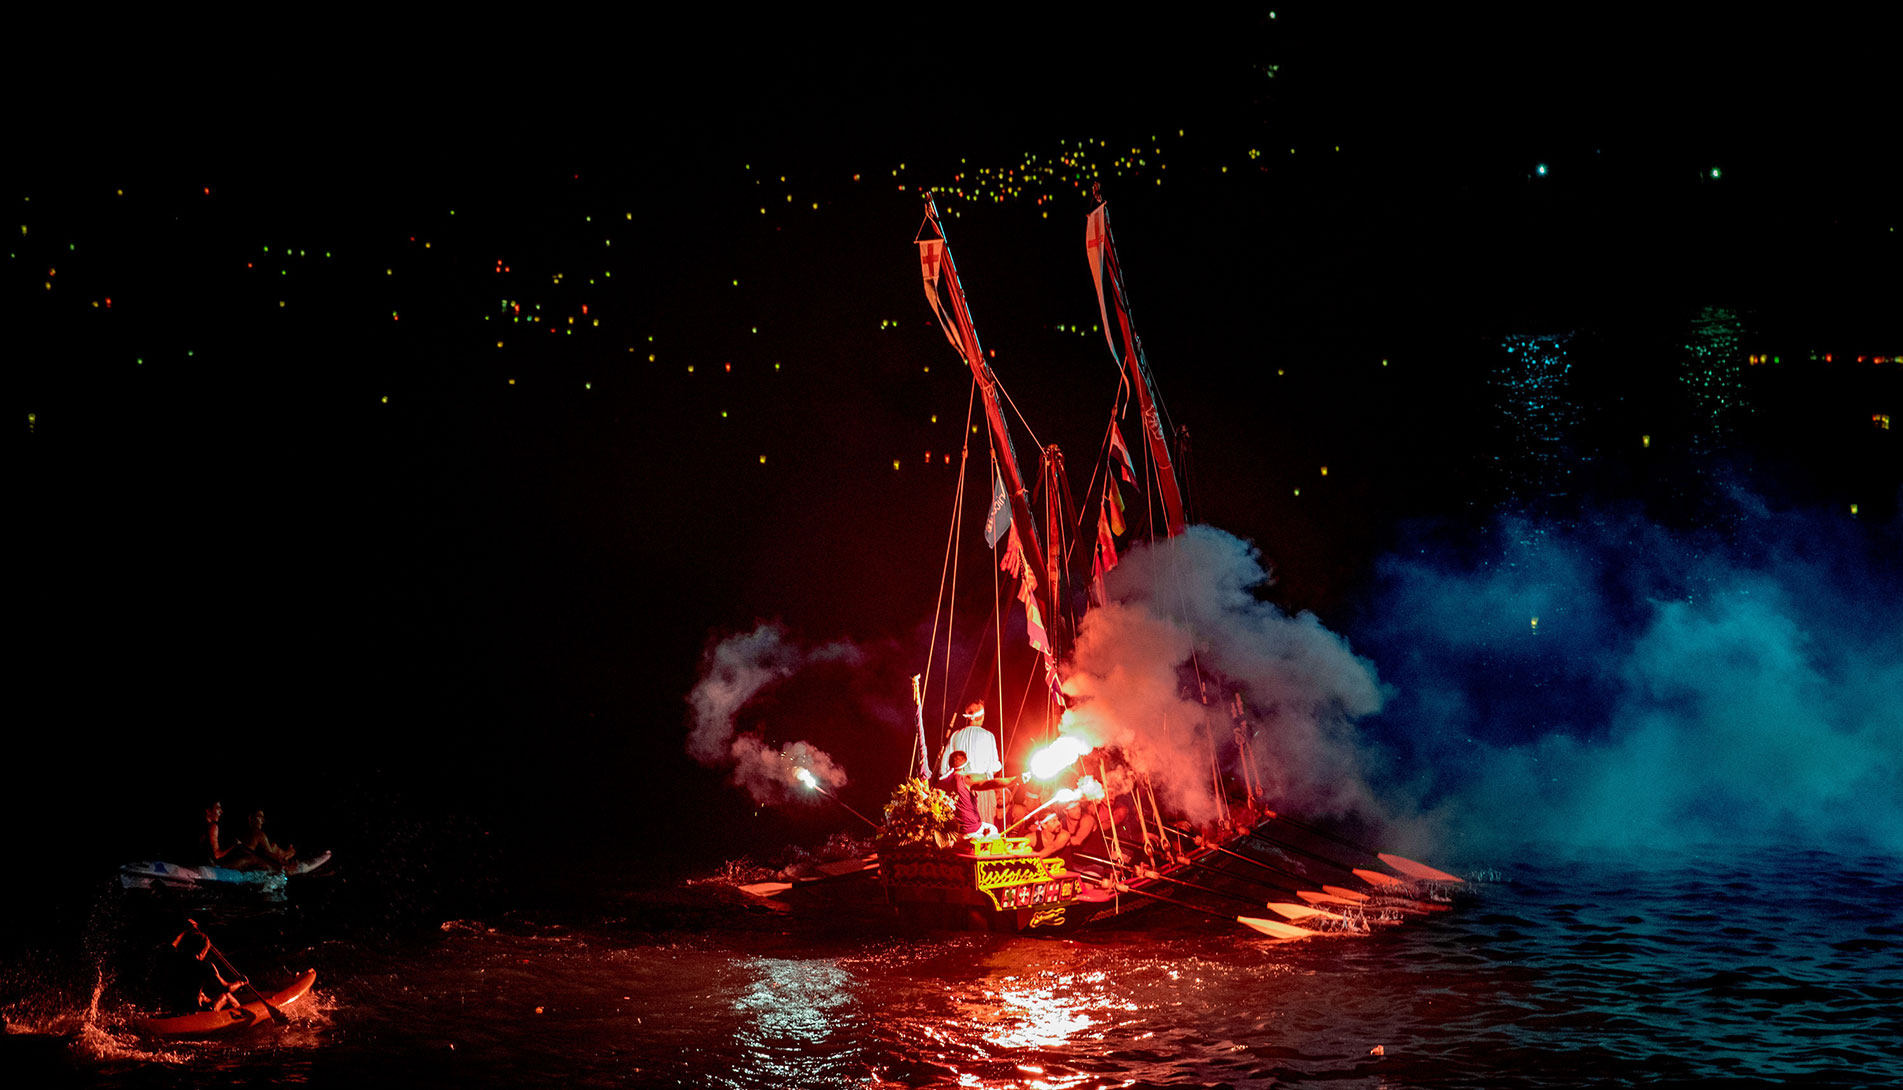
(213, 991)
(260, 845)
(220, 853)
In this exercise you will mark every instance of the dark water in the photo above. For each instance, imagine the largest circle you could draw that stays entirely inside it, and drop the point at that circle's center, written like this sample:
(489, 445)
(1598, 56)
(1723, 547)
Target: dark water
(1771, 967)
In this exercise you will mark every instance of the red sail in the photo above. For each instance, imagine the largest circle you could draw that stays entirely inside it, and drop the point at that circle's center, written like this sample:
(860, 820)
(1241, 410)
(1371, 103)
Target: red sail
(1101, 251)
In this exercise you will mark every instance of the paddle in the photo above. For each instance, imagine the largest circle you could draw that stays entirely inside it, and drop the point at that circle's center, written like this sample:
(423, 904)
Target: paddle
(224, 963)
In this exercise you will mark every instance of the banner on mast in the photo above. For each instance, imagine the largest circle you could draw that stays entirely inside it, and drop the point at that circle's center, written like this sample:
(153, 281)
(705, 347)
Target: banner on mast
(999, 518)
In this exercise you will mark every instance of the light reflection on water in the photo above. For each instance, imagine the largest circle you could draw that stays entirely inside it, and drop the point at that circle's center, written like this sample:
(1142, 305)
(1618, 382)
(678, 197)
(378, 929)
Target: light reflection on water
(1615, 974)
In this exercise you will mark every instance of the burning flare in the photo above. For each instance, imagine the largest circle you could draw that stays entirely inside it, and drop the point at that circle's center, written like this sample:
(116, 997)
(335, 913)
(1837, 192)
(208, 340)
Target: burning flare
(806, 778)
(1057, 756)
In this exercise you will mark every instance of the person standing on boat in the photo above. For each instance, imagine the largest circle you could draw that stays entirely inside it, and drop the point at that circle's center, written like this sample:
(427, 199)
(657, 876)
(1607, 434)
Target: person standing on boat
(980, 748)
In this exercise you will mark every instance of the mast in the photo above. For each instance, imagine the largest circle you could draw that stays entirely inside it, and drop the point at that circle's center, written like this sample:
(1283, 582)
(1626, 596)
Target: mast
(1101, 250)
(935, 262)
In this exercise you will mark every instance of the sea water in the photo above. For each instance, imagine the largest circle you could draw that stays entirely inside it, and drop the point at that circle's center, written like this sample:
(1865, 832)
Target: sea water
(1577, 970)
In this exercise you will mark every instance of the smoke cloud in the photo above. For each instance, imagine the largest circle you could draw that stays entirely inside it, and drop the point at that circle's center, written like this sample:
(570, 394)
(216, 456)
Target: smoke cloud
(1192, 599)
(733, 672)
(1681, 688)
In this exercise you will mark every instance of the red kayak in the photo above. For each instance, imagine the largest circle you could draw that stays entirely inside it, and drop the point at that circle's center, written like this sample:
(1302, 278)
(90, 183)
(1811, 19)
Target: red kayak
(207, 1023)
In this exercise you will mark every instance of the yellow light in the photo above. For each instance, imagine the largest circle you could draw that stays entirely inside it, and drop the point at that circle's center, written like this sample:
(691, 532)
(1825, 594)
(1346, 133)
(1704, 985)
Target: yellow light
(895, 464)
(386, 399)
(1324, 471)
(762, 459)
(1645, 441)
(1536, 624)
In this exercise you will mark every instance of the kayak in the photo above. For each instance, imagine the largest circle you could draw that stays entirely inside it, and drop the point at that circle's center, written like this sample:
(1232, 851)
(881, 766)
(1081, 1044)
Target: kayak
(206, 1023)
(154, 874)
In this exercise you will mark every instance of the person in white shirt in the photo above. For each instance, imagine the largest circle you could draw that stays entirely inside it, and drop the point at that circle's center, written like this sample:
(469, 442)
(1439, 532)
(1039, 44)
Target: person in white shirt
(980, 748)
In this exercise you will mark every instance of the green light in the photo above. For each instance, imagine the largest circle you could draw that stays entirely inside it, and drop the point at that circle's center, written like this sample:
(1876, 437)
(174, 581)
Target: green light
(1714, 172)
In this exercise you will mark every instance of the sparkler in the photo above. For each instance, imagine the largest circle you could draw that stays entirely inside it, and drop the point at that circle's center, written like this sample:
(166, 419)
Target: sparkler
(806, 777)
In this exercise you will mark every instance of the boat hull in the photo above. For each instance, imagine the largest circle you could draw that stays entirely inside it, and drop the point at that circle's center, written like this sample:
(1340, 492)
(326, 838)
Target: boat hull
(157, 874)
(993, 884)
(215, 1023)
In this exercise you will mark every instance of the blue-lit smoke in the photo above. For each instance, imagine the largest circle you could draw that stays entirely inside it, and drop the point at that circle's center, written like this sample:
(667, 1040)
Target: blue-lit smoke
(1679, 688)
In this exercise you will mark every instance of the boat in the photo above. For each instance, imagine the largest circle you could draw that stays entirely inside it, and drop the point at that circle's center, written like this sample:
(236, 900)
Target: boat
(229, 1020)
(155, 874)
(1280, 877)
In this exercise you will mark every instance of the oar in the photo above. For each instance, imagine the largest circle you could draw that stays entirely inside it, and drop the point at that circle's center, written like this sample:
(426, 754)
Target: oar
(1270, 867)
(1316, 898)
(1272, 928)
(1402, 863)
(1299, 913)
(276, 1014)
(1152, 875)
(765, 889)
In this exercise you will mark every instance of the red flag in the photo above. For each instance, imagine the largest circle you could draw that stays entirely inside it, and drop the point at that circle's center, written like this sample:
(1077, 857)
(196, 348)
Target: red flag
(1106, 546)
(1113, 506)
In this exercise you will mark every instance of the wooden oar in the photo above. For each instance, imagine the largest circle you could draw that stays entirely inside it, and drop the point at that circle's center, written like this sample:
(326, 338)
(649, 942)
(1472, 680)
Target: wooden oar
(1409, 867)
(276, 1014)
(1412, 869)
(1304, 894)
(1298, 913)
(1154, 876)
(1405, 904)
(1272, 928)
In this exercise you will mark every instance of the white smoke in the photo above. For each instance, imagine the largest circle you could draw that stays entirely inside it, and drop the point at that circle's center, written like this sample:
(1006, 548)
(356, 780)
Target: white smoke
(1192, 597)
(733, 672)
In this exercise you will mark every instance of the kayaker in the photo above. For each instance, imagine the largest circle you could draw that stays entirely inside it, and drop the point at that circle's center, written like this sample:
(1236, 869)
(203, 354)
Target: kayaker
(219, 853)
(214, 992)
(260, 845)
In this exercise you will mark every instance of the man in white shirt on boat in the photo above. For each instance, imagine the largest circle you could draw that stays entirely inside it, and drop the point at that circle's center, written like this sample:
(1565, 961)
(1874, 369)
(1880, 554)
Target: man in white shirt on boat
(980, 748)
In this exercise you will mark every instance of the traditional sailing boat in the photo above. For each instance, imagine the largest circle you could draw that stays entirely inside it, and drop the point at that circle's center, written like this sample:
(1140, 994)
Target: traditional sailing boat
(1246, 854)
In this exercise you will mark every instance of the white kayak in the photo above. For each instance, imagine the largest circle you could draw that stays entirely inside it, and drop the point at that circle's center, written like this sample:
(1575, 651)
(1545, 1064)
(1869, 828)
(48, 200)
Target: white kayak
(160, 875)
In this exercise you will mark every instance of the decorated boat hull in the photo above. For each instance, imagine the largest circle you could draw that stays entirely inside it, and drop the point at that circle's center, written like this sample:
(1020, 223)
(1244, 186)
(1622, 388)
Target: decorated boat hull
(988, 884)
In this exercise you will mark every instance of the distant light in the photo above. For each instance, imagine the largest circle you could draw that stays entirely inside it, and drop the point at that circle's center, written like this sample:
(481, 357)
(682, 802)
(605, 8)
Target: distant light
(1714, 172)
(1853, 508)
(1645, 441)
(1324, 471)
(1540, 170)
(895, 464)
(1536, 624)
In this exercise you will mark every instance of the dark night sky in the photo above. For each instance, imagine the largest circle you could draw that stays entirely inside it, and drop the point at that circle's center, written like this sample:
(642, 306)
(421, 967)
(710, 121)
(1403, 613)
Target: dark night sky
(244, 571)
